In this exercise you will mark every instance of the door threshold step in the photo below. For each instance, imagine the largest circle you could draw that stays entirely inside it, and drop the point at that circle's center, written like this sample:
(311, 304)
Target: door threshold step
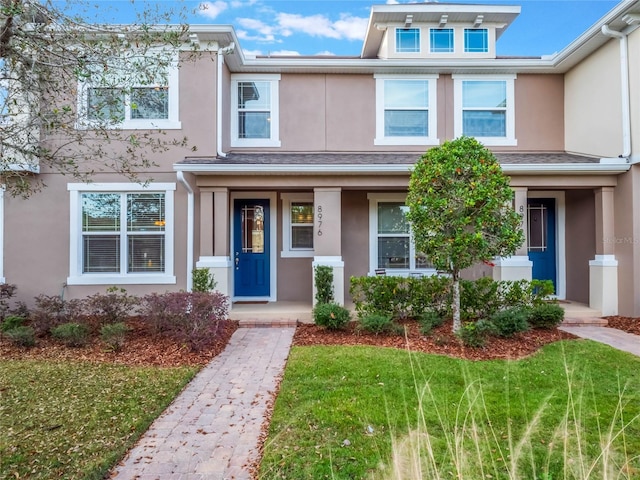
(267, 323)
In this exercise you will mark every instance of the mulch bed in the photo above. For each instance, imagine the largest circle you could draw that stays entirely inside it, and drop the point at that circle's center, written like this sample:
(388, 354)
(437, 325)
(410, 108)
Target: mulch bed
(140, 349)
(440, 341)
(628, 324)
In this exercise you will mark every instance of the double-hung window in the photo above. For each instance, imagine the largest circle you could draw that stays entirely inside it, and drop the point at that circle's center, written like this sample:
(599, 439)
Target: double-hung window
(255, 109)
(121, 233)
(476, 40)
(391, 241)
(441, 40)
(407, 40)
(406, 110)
(141, 97)
(297, 221)
(484, 108)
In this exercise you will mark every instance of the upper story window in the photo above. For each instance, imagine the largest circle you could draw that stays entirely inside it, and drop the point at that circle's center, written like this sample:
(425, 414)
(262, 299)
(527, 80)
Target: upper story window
(255, 104)
(114, 100)
(484, 108)
(121, 233)
(441, 40)
(407, 40)
(406, 110)
(297, 221)
(476, 40)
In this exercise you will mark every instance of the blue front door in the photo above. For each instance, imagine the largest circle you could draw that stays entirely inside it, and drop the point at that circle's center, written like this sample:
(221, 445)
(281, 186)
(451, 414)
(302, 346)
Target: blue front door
(541, 238)
(251, 248)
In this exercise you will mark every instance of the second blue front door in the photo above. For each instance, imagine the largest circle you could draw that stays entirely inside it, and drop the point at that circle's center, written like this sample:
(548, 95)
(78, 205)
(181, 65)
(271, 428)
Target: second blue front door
(251, 248)
(541, 238)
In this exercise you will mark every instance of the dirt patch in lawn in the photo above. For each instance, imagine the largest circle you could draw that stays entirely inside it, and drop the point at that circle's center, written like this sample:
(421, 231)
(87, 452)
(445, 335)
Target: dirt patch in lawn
(440, 341)
(627, 324)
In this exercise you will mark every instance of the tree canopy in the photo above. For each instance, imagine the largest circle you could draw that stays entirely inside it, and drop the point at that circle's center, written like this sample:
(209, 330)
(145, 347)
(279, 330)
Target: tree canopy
(460, 208)
(57, 70)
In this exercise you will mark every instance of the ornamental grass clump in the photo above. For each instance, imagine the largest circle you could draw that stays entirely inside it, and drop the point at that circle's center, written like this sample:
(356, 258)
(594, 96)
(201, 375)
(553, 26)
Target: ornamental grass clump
(72, 334)
(22, 336)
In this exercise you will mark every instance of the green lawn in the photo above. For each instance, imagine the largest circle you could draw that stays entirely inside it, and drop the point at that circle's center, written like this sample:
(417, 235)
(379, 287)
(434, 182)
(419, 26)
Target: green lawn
(570, 411)
(75, 420)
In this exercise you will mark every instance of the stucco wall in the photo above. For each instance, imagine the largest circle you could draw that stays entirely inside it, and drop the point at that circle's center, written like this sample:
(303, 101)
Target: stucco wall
(580, 238)
(634, 81)
(593, 106)
(355, 236)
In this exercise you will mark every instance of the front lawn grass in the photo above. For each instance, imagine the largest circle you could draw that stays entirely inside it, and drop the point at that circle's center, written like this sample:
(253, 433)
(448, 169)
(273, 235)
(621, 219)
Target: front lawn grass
(75, 420)
(569, 411)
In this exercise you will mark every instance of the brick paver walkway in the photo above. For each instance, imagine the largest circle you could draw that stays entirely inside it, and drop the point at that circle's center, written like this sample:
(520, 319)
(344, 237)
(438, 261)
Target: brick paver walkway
(211, 430)
(609, 336)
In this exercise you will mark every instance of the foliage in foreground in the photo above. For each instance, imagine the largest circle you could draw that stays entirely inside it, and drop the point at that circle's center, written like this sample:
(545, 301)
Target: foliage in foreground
(342, 412)
(75, 420)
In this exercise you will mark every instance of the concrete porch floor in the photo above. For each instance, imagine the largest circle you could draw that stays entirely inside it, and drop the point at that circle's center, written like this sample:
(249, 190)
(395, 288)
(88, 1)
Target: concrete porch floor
(290, 313)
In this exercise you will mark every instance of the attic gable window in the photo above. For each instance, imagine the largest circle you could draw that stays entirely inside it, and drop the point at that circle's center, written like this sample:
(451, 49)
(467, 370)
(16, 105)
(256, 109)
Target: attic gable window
(407, 40)
(476, 40)
(441, 40)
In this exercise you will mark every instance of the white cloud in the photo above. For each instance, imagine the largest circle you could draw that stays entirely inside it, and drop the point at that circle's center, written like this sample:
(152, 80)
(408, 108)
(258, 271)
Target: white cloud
(251, 53)
(240, 4)
(326, 53)
(285, 53)
(264, 32)
(349, 27)
(212, 9)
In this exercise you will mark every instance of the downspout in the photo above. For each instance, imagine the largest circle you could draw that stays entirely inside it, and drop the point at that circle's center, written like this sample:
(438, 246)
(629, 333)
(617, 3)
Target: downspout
(190, 228)
(221, 51)
(624, 77)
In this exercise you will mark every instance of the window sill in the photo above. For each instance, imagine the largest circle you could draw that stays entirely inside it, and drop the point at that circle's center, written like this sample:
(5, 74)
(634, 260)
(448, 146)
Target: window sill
(297, 254)
(151, 279)
(132, 125)
(406, 141)
(497, 141)
(255, 142)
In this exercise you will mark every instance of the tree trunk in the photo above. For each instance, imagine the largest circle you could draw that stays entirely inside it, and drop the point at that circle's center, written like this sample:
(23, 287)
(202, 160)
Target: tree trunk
(457, 324)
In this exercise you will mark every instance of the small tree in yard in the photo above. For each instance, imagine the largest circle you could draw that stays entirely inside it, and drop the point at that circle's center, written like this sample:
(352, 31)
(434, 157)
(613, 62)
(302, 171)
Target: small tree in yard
(460, 210)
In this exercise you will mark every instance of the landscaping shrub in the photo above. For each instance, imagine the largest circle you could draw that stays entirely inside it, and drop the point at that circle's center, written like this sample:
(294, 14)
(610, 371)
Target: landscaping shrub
(378, 323)
(71, 334)
(474, 334)
(115, 306)
(323, 276)
(7, 291)
(429, 320)
(548, 315)
(51, 311)
(330, 315)
(191, 318)
(203, 280)
(10, 322)
(114, 335)
(511, 321)
(479, 298)
(22, 336)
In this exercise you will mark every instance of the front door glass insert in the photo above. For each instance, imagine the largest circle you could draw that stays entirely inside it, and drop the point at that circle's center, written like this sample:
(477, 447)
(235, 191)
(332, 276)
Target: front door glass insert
(252, 226)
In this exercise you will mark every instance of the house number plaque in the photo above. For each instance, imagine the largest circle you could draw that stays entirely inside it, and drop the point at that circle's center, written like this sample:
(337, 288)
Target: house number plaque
(319, 217)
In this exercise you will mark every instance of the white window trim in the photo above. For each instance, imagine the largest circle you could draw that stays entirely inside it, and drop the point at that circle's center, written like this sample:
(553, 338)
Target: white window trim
(374, 200)
(287, 250)
(464, 41)
(510, 138)
(432, 138)
(453, 34)
(274, 141)
(77, 277)
(170, 123)
(395, 40)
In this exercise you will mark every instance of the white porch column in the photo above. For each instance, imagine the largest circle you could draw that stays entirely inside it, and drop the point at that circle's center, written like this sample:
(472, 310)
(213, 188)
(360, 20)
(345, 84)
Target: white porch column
(518, 266)
(603, 270)
(214, 237)
(327, 237)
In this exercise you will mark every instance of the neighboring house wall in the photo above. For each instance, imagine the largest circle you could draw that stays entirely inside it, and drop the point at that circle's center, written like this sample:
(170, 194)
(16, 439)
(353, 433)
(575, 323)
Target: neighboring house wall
(634, 82)
(580, 242)
(593, 104)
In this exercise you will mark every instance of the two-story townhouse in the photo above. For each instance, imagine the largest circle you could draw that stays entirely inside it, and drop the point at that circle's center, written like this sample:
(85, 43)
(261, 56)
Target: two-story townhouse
(305, 161)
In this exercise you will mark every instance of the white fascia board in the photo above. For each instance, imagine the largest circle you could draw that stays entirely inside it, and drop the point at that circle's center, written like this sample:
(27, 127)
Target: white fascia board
(398, 169)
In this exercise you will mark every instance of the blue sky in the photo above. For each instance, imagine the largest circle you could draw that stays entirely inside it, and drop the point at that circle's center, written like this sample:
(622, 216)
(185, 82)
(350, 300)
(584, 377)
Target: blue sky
(307, 27)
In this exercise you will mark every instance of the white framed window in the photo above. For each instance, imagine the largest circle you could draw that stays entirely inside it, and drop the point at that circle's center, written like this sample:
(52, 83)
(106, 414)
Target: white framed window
(255, 110)
(149, 102)
(407, 40)
(441, 40)
(391, 245)
(476, 40)
(485, 108)
(406, 112)
(297, 225)
(121, 233)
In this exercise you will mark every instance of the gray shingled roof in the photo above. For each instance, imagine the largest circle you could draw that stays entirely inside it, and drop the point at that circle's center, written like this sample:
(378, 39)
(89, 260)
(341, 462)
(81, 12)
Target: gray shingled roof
(271, 158)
